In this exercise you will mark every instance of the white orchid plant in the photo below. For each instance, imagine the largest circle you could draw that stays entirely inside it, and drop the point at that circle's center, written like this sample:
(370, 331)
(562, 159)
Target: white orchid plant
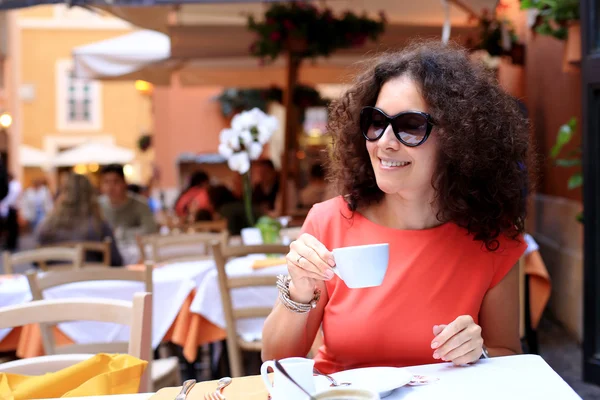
(244, 142)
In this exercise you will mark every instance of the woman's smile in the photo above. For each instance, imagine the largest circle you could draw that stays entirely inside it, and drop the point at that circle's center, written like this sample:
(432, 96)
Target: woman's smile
(387, 164)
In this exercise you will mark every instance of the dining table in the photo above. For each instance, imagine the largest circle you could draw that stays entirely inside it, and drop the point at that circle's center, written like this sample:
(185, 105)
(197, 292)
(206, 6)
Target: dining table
(520, 377)
(187, 307)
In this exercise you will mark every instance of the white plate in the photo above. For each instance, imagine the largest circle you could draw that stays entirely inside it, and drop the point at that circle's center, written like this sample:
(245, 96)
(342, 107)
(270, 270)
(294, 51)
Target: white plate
(383, 380)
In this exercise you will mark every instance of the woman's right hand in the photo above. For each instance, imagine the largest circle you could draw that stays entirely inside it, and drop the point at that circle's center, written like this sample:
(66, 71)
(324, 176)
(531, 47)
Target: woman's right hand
(308, 261)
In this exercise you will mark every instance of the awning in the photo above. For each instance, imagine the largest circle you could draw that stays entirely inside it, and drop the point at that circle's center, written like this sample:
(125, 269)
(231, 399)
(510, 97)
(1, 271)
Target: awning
(162, 13)
(154, 14)
(218, 55)
(94, 153)
(209, 42)
(32, 157)
(121, 56)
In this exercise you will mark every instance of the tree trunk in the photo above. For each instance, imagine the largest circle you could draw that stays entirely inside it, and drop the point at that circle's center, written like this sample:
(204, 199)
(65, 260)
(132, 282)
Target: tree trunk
(290, 135)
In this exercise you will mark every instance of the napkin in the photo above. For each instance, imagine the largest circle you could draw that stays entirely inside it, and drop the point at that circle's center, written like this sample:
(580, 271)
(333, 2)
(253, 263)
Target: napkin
(268, 262)
(100, 375)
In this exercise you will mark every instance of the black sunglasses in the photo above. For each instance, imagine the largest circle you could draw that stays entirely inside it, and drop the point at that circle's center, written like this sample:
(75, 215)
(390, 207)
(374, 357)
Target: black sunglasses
(411, 128)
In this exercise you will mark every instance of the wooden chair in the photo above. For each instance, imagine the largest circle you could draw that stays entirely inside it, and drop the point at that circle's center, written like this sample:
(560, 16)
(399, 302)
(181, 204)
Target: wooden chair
(103, 247)
(217, 226)
(522, 300)
(136, 314)
(529, 339)
(291, 233)
(236, 344)
(72, 256)
(163, 372)
(179, 247)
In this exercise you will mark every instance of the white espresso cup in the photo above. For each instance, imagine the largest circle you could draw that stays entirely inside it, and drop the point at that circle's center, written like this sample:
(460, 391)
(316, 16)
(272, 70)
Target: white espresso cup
(300, 369)
(362, 266)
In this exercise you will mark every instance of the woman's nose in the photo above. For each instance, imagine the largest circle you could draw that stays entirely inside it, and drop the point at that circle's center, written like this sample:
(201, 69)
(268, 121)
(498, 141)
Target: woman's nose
(388, 140)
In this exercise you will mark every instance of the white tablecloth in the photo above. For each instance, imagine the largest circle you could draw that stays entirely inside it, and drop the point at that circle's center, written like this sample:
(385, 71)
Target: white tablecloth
(207, 301)
(525, 377)
(13, 291)
(172, 284)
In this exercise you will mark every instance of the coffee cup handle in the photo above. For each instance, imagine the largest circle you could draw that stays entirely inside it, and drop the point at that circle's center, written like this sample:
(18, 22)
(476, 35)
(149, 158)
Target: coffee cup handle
(264, 373)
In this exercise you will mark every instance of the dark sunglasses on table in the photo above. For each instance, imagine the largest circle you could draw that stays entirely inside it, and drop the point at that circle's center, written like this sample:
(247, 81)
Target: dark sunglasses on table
(411, 128)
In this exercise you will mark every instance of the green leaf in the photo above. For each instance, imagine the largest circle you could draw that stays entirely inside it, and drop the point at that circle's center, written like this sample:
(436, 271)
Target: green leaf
(525, 4)
(564, 136)
(579, 217)
(568, 162)
(575, 181)
(572, 123)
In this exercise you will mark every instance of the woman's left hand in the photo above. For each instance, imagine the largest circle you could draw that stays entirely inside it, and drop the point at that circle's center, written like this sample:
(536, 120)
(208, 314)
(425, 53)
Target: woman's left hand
(459, 342)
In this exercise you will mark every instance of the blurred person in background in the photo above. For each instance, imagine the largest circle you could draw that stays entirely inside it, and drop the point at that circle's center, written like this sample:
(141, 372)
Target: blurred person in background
(265, 184)
(36, 202)
(77, 217)
(227, 206)
(316, 190)
(144, 191)
(194, 198)
(126, 212)
(9, 213)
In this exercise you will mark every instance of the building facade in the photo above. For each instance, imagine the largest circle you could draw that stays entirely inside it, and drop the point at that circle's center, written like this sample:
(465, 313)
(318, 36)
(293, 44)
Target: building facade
(53, 110)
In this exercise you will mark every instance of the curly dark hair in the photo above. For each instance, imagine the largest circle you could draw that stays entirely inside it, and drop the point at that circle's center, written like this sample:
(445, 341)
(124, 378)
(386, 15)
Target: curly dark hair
(481, 180)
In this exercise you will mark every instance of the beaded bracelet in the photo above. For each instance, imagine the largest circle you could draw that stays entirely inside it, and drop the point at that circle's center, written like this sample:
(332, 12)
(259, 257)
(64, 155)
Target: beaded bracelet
(283, 284)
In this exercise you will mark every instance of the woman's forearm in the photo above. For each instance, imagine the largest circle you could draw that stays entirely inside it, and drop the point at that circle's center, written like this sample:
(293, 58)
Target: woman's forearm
(287, 334)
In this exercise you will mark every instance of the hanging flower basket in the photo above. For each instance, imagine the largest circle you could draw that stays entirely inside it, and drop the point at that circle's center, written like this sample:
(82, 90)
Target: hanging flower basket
(552, 17)
(305, 31)
(572, 55)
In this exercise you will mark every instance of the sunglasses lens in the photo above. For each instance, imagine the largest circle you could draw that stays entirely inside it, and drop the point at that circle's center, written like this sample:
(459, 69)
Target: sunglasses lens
(373, 123)
(411, 128)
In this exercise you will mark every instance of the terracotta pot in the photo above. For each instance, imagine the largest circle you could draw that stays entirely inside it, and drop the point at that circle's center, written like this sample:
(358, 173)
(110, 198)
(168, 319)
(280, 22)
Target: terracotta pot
(572, 54)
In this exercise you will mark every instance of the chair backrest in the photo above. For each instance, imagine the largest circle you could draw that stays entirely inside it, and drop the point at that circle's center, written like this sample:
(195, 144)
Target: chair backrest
(217, 226)
(136, 314)
(71, 256)
(103, 247)
(38, 282)
(291, 233)
(179, 247)
(221, 254)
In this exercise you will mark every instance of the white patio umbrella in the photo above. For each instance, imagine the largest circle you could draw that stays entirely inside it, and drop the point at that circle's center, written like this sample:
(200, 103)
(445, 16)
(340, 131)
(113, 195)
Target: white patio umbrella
(94, 153)
(121, 56)
(32, 157)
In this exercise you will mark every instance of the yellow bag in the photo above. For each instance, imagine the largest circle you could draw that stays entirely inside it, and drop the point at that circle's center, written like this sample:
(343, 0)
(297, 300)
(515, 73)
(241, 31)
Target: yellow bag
(100, 375)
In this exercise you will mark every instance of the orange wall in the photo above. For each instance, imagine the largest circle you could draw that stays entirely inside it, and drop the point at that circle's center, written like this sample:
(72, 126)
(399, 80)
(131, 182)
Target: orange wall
(553, 97)
(125, 110)
(186, 120)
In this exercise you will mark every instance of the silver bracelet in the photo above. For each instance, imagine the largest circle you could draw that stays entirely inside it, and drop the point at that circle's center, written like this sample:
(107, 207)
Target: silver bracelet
(283, 284)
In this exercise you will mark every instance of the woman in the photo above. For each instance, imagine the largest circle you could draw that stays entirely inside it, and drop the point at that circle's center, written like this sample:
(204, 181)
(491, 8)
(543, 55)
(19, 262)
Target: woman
(36, 202)
(429, 155)
(77, 217)
(195, 197)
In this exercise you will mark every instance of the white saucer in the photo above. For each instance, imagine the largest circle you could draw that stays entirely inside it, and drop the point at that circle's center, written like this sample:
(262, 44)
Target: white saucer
(383, 380)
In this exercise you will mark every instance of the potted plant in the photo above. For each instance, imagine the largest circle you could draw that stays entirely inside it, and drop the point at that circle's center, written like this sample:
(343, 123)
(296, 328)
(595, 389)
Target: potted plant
(573, 157)
(234, 100)
(244, 142)
(305, 31)
(497, 38)
(144, 142)
(558, 19)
